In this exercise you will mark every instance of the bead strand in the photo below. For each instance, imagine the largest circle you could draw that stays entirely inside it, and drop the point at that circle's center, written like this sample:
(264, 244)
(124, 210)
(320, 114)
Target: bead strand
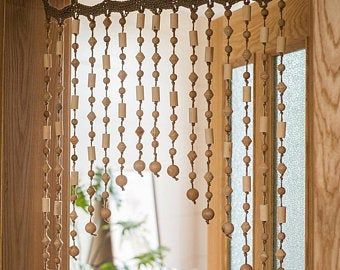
(155, 166)
(246, 140)
(139, 164)
(121, 180)
(173, 169)
(74, 105)
(281, 135)
(91, 227)
(58, 243)
(228, 227)
(193, 193)
(105, 211)
(208, 213)
(264, 120)
(46, 241)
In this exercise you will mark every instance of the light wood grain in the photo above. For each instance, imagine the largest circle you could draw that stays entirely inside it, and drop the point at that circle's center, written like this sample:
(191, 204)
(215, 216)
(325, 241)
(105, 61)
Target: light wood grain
(325, 138)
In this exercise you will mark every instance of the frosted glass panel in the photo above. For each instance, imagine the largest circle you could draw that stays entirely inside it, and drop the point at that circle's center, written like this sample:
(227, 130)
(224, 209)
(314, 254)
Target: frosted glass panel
(237, 258)
(295, 114)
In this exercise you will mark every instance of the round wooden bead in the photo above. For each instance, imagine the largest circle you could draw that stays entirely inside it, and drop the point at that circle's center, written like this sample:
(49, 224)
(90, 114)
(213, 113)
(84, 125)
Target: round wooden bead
(228, 228)
(139, 165)
(208, 214)
(90, 228)
(105, 213)
(173, 170)
(192, 194)
(246, 267)
(155, 167)
(121, 181)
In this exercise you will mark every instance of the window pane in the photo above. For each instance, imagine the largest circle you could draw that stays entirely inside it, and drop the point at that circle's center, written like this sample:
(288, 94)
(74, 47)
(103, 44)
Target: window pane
(237, 258)
(294, 200)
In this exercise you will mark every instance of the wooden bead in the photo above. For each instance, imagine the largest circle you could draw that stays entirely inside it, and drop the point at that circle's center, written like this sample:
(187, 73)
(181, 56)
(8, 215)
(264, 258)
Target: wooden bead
(140, 93)
(281, 130)
(209, 136)
(245, 227)
(209, 54)
(281, 44)
(122, 110)
(193, 35)
(156, 22)
(121, 181)
(59, 131)
(228, 228)
(122, 40)
(264, 210)
(46, 205)
(280, 254)
(174, 20)
(174, 99)
(156, 94)
(59, 49)
(106, 62)
(246, 184)
(47, 60)
(105, 213)
(246, 267)
(173, 171)
(47, 133)
(91, 228)
(227, 72)
(139, 166)
(74, 251)
(75, 25)
(247, 93)
(246, 12)
(91, 151)
(192, 194)
(140, 23)
(281, 214)
(208, 214)
(193, 115)
(228, 146)
(155, 167)
(91, 80)
(264, 34)
(58, 208)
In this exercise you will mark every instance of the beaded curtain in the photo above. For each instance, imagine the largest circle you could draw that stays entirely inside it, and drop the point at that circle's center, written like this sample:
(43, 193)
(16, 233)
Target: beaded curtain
(54, 117)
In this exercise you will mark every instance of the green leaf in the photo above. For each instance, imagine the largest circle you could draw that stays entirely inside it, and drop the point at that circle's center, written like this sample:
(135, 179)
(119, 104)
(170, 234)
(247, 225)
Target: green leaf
(151, 258)
(130, 226)
(108, 266)
(81, 201)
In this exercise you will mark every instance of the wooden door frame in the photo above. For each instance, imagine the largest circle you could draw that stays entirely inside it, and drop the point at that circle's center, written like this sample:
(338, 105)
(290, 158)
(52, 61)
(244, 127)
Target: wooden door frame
(298, 13)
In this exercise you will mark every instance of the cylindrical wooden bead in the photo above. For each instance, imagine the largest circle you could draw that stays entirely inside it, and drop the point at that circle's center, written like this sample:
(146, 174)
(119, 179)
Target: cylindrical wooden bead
(47, 60)
(75, 24)
(193, 38)
(140, 23)
(91, 153)
(246, 184)
(74, 178)
(246, 12)
(47, 132)
(122, 40)
(247, 93)
(122, 110)
(91, 80)
(106, 141)
(156, 22)
(281, 215)
(264, 212)
(281, 44)
(264, 34)
(59, 128)
(106, 61)
(156, 95)
(209, 136)
(228, 149)
(281, 130)
(74, 103)
(193, 115)
(264, 124)
(228, 72)
(59, 48)
(174, 99)
(174, 20)
(46, 208)
(209, 54)
(58, 208)
(140, 92)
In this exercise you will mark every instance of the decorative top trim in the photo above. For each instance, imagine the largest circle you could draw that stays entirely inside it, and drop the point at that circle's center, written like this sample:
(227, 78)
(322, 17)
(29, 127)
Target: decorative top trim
(76, 9)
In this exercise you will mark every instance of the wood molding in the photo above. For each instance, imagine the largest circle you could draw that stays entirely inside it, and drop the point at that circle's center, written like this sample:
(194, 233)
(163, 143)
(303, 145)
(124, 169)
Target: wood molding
(325, 135)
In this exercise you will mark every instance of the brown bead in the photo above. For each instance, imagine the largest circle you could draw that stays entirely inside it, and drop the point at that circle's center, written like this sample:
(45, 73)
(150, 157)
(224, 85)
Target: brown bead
(281, 236)
(281, 191)
(246, 248)
(245, 227)
(139, 166)
(246, 267)
(155, 167)
(121, 181)
(228, 228)
(105, 195)
(246, 206)
(173, 171)
(208, 214)
(192, 175)
(105, 213)
(192, 194)
(90, 228)
(208, 195)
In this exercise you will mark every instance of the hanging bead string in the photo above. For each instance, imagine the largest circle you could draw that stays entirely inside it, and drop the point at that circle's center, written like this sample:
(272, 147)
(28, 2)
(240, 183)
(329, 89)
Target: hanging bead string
(121, 179)
(281, 135)
(74, 105)
(155, 166)
(264, 120)
(173, 169)
(193, 193)
(46, 241)
(90, 226)
(208, 213)
(105, 211)
(228, 227)
(246, 140)
(139, 165)
(58, 243)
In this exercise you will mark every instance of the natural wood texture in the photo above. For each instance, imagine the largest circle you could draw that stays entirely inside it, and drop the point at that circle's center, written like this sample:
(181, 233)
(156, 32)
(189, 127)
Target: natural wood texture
(217, 243)
(23, 118)
(325, 138)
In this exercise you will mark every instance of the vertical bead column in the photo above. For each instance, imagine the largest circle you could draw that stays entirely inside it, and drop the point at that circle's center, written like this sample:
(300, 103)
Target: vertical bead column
(247, 94)
(173, 169)
(193, 193)
(90, 227)
(74, 105)
(281, 135)
(46, 241)
(139, 164)
(58, 243)
(228, 227)
(208, 213)
(105, 211)
(155, 166)
(121, 179)
(263, 128)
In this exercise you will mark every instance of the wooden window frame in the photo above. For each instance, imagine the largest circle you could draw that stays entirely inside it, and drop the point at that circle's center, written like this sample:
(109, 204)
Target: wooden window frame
(297, 33)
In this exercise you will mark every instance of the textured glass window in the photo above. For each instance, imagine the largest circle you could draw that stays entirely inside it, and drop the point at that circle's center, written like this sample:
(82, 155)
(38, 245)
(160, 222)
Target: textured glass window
(294, 199)
(237, 258)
